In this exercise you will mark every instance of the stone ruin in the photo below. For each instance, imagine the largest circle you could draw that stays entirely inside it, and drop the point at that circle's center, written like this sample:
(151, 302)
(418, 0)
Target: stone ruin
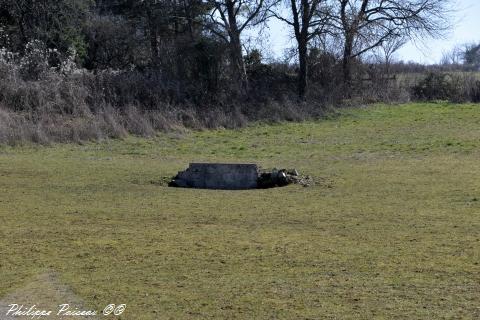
(224, 176)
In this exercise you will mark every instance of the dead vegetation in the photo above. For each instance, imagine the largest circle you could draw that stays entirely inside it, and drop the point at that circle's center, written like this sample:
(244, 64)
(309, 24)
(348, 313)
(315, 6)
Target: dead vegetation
(83, 106)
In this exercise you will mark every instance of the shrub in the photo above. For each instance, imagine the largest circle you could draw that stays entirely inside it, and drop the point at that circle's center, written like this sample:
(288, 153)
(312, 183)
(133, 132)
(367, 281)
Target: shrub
(435, 86)
(475, 91)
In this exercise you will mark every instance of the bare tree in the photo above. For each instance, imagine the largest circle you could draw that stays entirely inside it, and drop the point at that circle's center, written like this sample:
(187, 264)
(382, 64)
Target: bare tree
(366, 24)
(453, 57)
(309, 19)
(388, 48)
(227, 20)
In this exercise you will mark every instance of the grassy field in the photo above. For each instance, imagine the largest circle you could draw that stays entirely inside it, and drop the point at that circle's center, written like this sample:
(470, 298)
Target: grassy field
(391, 230)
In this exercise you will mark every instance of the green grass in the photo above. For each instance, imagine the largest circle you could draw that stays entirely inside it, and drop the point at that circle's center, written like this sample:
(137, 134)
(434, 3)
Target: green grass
(390, 231)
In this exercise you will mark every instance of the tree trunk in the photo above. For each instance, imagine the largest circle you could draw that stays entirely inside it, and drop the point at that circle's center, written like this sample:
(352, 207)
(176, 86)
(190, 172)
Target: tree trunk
(347, 69)
(238, 64)
(347, 64)
(303, 71)
(153, 38)
(239, 71)
(154, 46)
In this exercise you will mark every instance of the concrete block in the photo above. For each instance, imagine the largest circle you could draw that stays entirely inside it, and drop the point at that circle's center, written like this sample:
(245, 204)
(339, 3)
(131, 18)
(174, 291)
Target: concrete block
(220, 176)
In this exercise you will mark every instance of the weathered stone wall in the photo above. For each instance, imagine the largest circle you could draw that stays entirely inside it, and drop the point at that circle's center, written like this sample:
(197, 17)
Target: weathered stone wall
(219, 176)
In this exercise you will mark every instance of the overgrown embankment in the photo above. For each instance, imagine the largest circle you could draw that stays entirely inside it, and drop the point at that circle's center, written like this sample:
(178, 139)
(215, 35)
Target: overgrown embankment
(42, 104)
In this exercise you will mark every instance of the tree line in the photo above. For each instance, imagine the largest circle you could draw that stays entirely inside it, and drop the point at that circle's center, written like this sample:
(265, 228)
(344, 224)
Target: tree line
(203, 41)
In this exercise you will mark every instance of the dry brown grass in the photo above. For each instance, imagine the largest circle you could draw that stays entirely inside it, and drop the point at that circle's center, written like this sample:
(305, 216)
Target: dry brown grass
(84, 106)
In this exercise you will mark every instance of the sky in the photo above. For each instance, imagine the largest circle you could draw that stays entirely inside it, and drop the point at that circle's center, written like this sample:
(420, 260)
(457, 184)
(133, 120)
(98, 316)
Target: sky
(466, 29)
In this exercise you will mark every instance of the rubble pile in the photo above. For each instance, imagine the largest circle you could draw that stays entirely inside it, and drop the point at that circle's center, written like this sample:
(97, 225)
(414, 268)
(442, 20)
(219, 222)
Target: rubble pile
(281, 178)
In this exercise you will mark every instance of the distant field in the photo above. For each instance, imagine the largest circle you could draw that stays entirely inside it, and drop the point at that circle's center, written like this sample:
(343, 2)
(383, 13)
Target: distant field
(415, 77)
(391, 230)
